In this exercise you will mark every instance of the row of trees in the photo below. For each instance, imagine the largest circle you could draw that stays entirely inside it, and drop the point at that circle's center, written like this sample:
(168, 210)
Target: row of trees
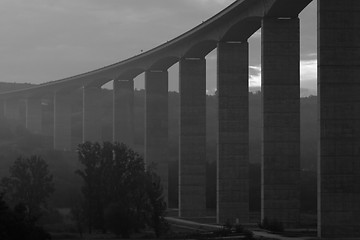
(118, 193)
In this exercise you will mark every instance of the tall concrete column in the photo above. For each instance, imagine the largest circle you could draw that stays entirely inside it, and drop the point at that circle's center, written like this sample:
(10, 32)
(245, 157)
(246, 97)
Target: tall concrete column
(123, 111)
(156, 124)
(192, 159)
(92, 103)
(2, 108)
(281, 120)
(12, 109)
(339, 100)
(233, 142)
(33, 113)
(62, 121)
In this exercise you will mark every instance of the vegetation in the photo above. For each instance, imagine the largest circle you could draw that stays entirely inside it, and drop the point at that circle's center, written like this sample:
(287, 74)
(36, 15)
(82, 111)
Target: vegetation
(119, 194)
(227, 231)
(28, 188)
(30, 183)
(17, 224)
(272, 225)
(15, 140)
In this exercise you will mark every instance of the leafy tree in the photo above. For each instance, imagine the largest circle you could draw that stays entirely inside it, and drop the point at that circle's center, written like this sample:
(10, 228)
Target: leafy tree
(118, 190)
(30, 183)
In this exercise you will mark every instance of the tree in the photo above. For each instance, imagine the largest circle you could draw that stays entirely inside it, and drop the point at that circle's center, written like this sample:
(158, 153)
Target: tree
(118, 190)
(95, 159)
(15, 223)
(77, 214)
(30, 183)
(156, 204)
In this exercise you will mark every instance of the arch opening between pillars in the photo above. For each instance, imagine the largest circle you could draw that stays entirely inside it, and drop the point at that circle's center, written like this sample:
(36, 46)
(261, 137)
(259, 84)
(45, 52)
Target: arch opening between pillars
(242, 30)
(163, 64)
(200, 49)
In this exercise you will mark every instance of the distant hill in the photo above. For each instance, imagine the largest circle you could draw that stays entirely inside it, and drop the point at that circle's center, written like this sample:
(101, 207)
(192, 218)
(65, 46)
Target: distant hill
(6, 86)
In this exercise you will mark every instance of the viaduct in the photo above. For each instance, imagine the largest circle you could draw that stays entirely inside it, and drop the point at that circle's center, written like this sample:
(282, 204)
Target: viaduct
(228, 31)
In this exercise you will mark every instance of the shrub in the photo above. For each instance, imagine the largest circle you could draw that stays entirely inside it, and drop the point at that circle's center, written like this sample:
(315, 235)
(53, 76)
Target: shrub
(228, 225)
(272, 225)
(120, 195)
(17, 224)
(249, 235)
(239, 228)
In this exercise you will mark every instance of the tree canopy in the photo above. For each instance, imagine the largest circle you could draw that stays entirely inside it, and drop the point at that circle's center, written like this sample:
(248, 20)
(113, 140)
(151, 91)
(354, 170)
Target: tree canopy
(120, 195)
(30, 183)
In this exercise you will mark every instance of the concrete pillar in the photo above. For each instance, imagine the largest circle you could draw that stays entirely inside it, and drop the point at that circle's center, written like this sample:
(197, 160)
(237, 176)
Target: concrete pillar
(233, 142)
(2, 108)
(62, 121)
(192, 159)
(22, 113)
(33, 113)
(281, 121)
(156, 124)
(339, 105)
(12, 109)
(123, 112)
(92, 103)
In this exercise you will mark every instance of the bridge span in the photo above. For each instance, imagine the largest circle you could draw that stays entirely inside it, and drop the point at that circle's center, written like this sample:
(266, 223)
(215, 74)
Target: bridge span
(228, 32)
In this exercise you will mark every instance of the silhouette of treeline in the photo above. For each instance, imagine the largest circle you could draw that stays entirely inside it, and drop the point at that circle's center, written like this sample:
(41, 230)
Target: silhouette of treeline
(5, 87)
(15, 140)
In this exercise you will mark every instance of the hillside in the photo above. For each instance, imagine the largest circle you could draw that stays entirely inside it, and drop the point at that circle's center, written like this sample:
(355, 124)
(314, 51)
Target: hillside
(5, 86)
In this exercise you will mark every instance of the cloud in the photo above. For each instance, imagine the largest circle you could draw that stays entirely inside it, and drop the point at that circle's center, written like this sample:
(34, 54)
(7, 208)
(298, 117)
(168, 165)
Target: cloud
(308, 70)
(255, 75)
(308, 74)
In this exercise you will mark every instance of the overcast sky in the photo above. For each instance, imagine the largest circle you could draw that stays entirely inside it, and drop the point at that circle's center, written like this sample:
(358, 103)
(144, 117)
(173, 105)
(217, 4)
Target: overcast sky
(45, 40)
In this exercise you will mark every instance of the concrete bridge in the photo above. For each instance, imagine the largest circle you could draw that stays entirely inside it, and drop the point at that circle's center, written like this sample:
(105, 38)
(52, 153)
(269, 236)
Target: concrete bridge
(228, 31)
